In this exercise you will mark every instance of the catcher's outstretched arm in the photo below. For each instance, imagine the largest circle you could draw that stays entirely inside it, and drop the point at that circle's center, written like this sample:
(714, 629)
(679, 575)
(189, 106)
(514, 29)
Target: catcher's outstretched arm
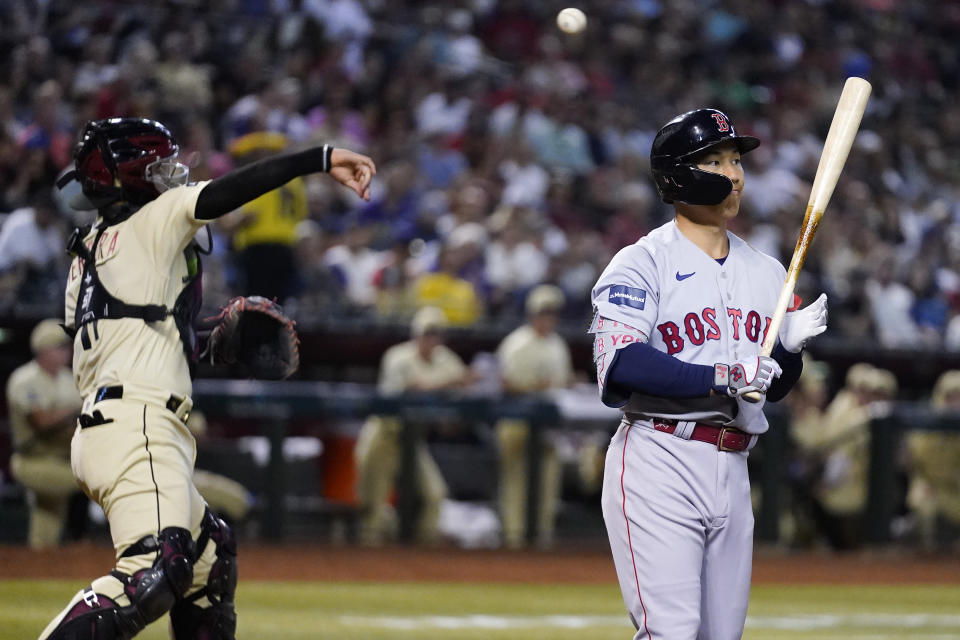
(230, 191)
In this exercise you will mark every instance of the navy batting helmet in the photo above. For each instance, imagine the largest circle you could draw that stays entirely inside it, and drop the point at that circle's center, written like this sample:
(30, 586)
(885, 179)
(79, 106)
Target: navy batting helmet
(676, 147)
(128, 159)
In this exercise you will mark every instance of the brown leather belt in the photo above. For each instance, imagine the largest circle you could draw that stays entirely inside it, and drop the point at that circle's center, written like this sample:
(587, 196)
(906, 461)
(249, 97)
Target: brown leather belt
(723, 438)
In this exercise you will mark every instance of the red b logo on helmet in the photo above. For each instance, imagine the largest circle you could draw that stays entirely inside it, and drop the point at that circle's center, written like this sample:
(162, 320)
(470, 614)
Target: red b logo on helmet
(722, 125)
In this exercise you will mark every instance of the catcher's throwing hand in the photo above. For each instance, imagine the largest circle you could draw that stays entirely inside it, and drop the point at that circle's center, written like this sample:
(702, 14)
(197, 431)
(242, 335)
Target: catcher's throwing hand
(353, 170)
(801, 325)
(254, 333)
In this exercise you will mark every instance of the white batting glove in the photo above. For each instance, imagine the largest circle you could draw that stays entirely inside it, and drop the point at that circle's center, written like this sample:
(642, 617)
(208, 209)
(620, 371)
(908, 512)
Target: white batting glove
(750, 374)
(801, 325)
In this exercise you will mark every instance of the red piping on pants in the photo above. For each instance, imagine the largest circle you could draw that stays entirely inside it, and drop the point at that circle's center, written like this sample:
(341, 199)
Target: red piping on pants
(633, 556)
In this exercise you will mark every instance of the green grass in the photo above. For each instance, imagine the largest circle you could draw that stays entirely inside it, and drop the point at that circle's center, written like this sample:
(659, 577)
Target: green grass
(294, 611)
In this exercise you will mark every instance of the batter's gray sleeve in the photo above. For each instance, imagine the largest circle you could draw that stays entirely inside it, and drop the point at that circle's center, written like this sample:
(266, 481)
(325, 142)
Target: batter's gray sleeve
(628, 290)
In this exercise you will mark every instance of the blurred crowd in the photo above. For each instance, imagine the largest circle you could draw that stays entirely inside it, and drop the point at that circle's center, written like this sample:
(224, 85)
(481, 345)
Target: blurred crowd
(510, 154)
(513, 156)
(827, 468)
(830, 461)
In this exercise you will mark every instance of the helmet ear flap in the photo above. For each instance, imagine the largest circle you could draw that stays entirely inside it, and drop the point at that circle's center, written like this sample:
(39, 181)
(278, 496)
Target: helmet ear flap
(706, 188)
(95, 172)
(685, 183)
(669, 181)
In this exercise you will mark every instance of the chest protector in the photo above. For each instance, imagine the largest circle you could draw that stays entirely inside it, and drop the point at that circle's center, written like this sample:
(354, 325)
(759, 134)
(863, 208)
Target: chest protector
(95, 303)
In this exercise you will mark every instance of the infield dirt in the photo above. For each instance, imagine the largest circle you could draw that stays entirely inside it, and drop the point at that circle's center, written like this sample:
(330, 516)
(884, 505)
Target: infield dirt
(331, 563)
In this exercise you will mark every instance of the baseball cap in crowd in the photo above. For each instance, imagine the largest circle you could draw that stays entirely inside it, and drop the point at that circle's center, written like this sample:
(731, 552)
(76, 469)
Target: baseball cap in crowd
(427, 320)
(47, 335)
(858, 376)
(882, 381)
(544, 298)
(947, 384)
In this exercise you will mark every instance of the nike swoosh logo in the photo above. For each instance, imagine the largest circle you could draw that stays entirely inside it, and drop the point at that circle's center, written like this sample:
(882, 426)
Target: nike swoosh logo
(684, 276)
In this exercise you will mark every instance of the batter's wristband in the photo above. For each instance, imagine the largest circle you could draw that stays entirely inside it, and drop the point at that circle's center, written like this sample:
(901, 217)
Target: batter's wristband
(721, 375)
(721, 378)
(327, 158)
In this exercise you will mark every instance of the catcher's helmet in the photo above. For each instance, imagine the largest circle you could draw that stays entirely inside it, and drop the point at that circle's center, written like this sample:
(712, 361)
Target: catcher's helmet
(676, 147)
(127, 159)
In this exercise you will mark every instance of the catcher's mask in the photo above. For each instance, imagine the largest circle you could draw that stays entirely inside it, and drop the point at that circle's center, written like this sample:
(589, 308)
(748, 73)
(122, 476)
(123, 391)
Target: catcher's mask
(129, 160)
(676, 148)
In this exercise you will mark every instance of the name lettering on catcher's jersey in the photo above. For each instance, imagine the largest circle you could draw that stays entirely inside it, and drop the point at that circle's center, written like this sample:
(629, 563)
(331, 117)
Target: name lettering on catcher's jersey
(106, 249)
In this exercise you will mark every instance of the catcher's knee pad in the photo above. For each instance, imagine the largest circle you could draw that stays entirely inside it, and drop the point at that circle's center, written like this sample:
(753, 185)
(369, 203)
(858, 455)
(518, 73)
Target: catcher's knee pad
(151, 592)
(218, 619)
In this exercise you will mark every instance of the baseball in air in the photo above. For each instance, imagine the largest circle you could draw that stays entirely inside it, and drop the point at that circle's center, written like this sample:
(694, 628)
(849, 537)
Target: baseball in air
(571, 20)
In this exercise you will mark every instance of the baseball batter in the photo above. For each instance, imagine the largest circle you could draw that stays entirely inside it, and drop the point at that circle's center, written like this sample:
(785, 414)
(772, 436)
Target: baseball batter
(679, 320)
(132, 295)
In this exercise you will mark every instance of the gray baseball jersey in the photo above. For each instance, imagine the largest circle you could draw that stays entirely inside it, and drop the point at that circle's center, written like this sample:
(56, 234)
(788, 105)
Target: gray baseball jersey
(664, 290)
(678, 511)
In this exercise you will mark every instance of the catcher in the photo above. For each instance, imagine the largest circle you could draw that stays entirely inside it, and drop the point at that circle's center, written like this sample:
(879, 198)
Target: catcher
(132, 296)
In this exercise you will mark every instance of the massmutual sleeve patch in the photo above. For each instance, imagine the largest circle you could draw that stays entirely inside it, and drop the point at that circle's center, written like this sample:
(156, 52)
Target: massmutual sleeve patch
(630, 296)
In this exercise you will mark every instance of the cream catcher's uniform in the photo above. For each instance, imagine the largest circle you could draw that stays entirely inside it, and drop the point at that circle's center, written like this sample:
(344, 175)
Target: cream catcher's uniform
(678, 511)
(140, 436)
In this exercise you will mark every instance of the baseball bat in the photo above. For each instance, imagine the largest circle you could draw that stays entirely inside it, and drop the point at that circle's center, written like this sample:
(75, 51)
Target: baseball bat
(836, 148)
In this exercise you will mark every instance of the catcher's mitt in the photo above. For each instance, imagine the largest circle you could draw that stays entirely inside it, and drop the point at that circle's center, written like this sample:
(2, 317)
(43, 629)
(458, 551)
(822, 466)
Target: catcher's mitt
(254, 333)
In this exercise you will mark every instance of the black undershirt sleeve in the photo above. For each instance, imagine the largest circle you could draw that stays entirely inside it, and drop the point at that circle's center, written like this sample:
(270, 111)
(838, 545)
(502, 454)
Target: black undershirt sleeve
(792, 365)
(230, 191)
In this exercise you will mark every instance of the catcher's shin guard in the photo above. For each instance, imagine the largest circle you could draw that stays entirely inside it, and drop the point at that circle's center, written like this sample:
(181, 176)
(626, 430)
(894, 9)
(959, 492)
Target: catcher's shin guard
(218, 620)
(96, 617)
(151, 592)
